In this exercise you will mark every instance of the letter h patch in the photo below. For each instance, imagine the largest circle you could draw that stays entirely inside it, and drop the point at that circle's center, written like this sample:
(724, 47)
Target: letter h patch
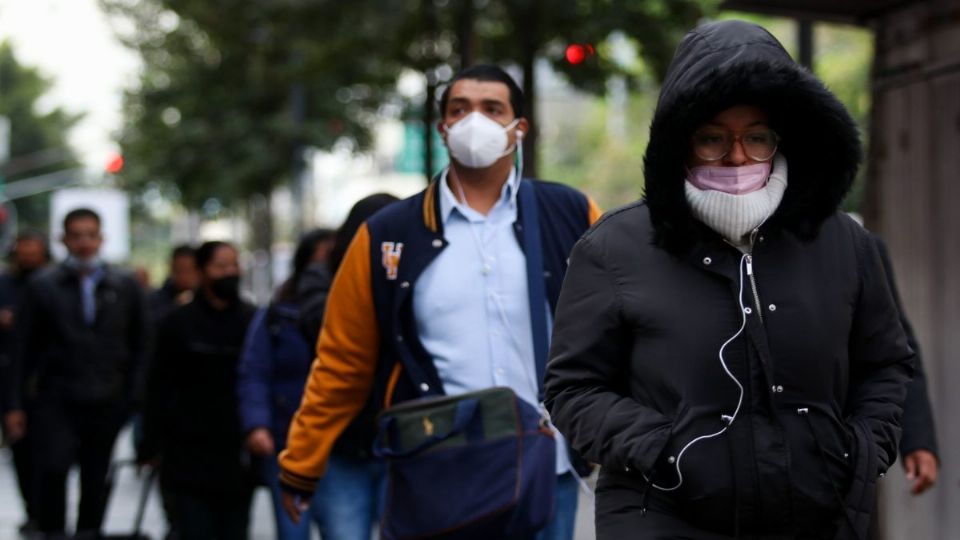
(391, 257)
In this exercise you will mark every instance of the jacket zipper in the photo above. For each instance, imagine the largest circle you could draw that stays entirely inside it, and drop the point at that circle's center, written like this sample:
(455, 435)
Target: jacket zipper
(753, 280)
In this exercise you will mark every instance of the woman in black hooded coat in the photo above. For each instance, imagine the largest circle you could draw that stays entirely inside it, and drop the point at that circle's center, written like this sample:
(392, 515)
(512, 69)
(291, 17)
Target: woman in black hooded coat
(731, 381)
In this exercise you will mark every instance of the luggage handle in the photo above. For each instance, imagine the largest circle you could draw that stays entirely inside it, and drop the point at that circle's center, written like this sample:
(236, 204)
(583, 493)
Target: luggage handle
(466, 410)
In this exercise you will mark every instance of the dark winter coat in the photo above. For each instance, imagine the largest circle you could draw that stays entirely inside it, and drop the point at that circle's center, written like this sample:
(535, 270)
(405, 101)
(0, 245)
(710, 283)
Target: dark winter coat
(273, 369)
(276, 361)
(638, 367)
(57, 355)
(190, 416)
(12, 285)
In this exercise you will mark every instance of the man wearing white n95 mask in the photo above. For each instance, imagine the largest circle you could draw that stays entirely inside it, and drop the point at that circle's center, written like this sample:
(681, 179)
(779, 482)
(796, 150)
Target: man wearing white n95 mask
(414, 258)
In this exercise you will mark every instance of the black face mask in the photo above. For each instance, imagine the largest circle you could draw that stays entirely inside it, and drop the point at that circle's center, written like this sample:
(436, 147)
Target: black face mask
(226, 288)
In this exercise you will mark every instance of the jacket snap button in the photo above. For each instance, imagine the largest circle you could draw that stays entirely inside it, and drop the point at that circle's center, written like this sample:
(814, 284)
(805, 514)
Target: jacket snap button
(626, 468)
(671, 460)
(707, 261)
(846, 455)
(405, 285)
(779, 389)
(437, 243)
(424, 387)
(773, 307)
(747, 310)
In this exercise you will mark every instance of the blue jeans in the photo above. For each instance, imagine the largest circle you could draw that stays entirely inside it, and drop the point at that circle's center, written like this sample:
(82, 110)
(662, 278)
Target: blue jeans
(345, 505)
(561, 525)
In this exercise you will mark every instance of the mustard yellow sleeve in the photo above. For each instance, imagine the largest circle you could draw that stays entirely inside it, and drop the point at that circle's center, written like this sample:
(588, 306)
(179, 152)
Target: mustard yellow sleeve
(594, 212)
(343, 372)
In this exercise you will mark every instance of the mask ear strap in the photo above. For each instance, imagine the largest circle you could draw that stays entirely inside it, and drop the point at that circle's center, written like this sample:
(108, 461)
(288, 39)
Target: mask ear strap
(519, 134)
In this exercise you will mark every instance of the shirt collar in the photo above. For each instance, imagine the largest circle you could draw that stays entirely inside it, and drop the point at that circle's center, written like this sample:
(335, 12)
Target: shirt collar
(449, 202)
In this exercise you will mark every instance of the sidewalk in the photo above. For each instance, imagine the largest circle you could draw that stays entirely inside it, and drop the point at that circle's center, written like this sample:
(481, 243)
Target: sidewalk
(126, 494)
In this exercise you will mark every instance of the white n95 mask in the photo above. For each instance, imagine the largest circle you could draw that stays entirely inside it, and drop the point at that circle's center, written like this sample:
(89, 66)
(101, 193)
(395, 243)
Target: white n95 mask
(477, 142)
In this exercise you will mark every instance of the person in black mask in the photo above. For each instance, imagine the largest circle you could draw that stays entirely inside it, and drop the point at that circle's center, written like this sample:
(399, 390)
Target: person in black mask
(81, 337)
(190, 413)
(30, 252)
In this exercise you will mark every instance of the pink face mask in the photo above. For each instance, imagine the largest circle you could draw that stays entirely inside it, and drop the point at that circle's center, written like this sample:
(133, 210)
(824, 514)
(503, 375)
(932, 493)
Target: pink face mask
(732, 180)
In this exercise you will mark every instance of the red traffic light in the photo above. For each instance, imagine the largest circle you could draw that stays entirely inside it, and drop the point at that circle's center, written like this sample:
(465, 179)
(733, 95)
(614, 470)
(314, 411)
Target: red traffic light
(577, 53)
(115, 164)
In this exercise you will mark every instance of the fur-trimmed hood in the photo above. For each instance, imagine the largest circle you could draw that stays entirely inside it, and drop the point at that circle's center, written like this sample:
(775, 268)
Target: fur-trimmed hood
(726, 63)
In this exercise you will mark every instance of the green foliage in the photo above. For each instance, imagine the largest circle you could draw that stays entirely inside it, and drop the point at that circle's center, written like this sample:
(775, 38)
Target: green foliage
(232, 89)
(38, 139)
(582, 150)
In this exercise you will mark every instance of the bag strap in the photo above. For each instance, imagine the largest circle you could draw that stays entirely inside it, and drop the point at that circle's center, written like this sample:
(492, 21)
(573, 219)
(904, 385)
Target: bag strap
(536, 288)
(466, 411)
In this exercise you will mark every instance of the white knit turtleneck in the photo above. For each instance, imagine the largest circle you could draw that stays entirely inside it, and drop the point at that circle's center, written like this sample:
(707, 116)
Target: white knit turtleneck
(736, 216)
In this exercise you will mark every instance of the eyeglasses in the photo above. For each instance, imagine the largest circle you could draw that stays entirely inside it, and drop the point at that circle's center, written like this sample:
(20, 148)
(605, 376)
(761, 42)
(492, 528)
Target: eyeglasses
(712, 144)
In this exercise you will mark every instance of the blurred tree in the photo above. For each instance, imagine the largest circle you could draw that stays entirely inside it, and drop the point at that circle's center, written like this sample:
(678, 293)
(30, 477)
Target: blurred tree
(231, 90)
(38, 138)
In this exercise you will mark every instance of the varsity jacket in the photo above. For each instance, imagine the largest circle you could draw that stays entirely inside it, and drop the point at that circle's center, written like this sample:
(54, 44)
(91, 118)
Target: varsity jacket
(369, 347)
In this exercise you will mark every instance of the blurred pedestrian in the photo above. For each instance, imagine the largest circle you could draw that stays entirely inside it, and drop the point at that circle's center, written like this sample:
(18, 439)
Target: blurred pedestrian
(273, 369)
(190, 415)
(445, 293)
(918, 445)
(727, 349)
(179, 286)
(29, 254)
(81, 337)
(177, 290)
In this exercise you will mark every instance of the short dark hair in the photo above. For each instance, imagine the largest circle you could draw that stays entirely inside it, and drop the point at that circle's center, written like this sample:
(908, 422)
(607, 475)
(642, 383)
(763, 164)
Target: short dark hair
(183, 250)
(80, 213)
(486, 73)
(207, 250)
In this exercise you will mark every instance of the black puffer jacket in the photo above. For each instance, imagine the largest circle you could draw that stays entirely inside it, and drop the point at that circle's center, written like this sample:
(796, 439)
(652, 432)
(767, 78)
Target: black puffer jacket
(636, 381)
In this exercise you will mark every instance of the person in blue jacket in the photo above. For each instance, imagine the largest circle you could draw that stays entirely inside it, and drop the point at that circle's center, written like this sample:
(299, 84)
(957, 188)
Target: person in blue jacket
(276, 360)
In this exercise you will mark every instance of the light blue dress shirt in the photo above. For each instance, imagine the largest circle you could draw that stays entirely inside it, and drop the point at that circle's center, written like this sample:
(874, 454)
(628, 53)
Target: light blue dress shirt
(471, 305)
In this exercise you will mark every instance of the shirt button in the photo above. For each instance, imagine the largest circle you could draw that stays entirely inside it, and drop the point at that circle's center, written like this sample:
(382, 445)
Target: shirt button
(707, 261)
(500, 371)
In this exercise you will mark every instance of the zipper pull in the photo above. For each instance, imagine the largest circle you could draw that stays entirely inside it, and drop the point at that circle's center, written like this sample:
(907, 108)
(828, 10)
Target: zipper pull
(749, 265)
